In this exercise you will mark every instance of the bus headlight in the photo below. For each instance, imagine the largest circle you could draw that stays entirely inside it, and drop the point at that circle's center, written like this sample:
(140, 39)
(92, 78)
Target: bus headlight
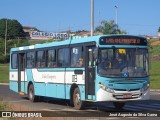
(145, 88)
(105, 88)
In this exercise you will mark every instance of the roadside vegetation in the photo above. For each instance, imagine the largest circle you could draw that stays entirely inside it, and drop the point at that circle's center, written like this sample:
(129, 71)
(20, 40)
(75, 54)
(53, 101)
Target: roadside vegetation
(155, 75)
(155, 63)
(4, 73)
(4, 106)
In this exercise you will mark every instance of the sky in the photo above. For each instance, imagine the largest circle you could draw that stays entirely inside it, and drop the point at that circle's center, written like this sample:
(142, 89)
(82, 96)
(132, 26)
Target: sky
(136, 17)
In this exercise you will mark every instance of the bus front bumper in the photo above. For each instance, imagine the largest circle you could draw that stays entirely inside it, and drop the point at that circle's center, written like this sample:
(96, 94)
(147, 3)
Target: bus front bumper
(103, 95)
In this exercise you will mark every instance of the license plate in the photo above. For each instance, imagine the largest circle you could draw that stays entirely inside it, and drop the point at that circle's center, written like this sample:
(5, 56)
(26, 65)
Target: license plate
(127, 95)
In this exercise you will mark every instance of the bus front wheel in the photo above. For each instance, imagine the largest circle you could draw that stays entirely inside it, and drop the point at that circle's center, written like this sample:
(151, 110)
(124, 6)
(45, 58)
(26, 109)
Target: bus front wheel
(31, 95)
(118, 105)
(77, 102)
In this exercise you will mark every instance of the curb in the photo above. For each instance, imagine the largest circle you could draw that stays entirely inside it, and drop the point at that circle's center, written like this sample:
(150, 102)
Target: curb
(4, 83)
(155, 90)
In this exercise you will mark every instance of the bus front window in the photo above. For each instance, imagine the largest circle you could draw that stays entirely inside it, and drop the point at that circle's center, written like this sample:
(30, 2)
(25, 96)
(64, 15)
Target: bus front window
(123, 62)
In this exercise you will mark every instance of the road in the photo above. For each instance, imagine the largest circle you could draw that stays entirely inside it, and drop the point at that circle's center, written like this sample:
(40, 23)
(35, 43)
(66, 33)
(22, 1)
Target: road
(62, 105)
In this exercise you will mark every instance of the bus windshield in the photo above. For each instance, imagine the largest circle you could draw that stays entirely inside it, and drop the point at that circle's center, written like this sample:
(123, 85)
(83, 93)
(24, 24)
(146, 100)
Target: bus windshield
(130, 62)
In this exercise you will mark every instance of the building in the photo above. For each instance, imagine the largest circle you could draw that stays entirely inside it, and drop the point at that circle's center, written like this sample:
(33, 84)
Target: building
(27, 30)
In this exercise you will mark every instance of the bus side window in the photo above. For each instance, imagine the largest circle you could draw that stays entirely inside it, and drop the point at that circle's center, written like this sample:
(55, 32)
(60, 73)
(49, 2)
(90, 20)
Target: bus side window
(63, 57)
(51, 58)
(30, 59)
(40, 56)
(77, 59)
(14, 61)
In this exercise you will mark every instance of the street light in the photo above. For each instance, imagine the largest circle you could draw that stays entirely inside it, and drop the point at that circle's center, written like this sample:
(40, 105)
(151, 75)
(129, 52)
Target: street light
(116, 17)
(92, 17)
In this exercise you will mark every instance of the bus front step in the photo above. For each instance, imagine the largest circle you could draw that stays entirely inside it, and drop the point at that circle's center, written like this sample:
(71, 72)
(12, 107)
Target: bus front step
(21, 93)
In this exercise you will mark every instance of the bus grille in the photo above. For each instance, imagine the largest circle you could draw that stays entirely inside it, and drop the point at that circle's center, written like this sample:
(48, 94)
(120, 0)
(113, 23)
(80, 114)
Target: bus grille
(126, 90)
(124, 94)
(121, 96)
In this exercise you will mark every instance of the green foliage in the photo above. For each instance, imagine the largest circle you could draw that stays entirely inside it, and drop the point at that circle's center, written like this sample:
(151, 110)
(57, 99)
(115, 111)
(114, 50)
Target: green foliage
(159, 29)
(109, 27)
(15, 37)
(10, 44)
(154, 50)
(154, 75)
(4, 106)
(13, 27)
(4, 73)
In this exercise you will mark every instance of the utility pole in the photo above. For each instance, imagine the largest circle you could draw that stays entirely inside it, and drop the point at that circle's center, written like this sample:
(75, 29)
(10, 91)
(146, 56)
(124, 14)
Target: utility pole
(5, 39)
(116, 17)
(92, 17)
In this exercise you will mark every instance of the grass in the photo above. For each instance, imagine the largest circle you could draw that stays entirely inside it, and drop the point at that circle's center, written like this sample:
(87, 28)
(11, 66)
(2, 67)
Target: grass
(4, 106)
(155, 75)
(154, 50)
(4, 73)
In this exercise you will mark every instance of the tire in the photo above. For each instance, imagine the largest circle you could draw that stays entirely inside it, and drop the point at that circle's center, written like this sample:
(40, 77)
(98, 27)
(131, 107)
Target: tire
(77, 102)
(31, 94)
(118, 105)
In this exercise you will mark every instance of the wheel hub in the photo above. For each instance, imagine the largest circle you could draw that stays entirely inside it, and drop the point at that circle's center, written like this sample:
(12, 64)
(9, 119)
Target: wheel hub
(78, 99)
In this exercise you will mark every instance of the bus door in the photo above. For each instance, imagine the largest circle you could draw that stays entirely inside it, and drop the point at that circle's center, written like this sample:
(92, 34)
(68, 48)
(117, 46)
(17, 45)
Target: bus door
(21, 72)
(90, 72)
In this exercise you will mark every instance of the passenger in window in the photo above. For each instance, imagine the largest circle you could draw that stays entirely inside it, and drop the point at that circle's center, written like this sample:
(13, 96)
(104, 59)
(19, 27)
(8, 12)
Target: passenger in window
(43, 65)
(105, 64)
(54, 65)
(80, 62)
(38, 64)
(120, 62)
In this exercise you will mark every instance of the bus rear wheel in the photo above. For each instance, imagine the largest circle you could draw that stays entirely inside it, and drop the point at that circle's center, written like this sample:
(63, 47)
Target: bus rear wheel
(77, 102)
(118, 105)
(31, 94)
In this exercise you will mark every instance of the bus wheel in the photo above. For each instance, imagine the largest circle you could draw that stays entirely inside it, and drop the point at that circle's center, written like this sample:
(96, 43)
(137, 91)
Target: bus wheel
(31, 95)
(118, 105)
(77, 102)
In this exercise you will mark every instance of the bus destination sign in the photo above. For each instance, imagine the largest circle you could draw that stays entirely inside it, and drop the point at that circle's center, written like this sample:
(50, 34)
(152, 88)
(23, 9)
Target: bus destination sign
(122, 41)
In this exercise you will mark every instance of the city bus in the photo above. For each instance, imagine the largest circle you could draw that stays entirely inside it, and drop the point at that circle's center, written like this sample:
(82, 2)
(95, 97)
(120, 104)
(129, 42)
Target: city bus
(101, 68)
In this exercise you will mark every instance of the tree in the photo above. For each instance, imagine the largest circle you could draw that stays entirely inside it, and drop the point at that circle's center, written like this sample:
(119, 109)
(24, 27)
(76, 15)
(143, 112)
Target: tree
(15, 37)
(159, 30)
(14, 29)
(109, 28)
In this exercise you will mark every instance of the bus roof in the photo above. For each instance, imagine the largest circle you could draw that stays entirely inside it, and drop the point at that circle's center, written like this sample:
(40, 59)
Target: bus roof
(68, 42)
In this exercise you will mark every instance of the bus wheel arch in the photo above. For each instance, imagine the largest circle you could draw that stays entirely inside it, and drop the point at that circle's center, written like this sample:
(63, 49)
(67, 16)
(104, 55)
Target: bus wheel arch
(71, 93)
(75, 97)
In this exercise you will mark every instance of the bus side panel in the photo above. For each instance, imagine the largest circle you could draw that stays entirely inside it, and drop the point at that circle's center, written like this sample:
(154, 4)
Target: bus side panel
(39, 84)
(13, 85)
(51, 90)
(29, 79)
(71, 77)
(13, 77)
(82, 91)
(54, 79)
(40, 89)
(49, 82)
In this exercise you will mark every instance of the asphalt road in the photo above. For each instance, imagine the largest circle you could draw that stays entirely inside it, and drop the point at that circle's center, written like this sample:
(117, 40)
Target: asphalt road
(149, 106)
